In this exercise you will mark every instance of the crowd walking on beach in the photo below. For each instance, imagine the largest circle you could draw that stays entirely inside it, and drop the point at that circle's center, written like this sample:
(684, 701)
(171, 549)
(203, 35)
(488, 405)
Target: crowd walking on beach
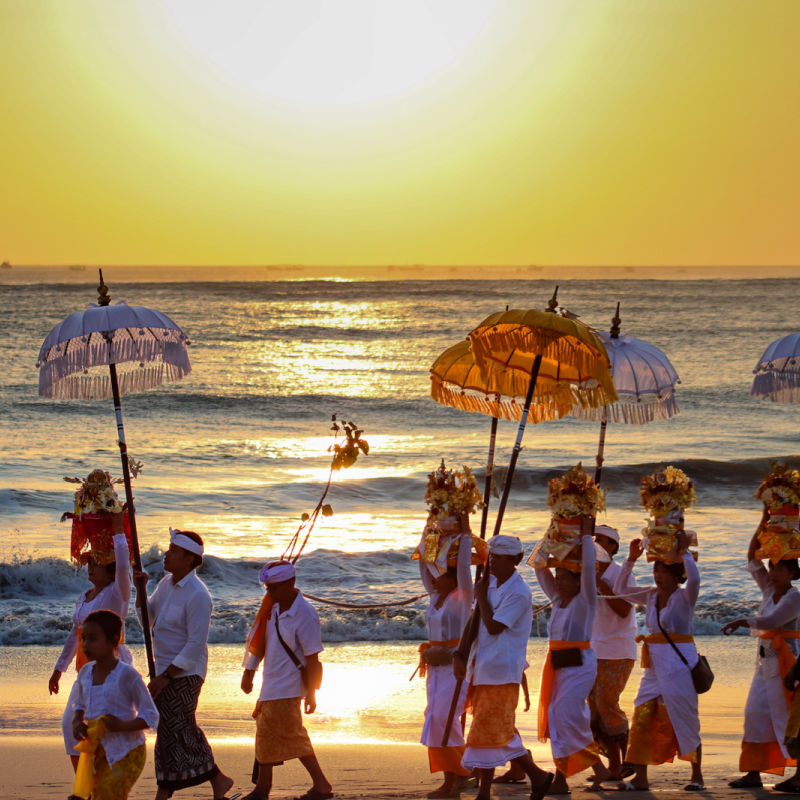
(474, 661)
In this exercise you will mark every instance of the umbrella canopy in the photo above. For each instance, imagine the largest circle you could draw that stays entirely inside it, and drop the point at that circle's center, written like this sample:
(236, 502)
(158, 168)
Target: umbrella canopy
(644, 379)
(567, 350)
(456, 381)
(146, 345)
(777, 373)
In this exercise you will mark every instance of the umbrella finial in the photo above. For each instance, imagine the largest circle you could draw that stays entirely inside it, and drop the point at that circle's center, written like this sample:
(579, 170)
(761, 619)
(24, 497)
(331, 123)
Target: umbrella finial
(552, 303)
(103, 298)
(615, 324)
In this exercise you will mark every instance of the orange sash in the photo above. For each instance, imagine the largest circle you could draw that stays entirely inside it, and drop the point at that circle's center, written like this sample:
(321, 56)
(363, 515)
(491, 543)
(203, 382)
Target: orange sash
(546, 686)
(786, 659)
(256, 643)
(423, 667)
(659, 638)
(80, 656)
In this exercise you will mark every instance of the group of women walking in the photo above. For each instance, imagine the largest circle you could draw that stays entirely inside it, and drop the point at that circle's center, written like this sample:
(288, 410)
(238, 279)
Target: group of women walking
(592, 613)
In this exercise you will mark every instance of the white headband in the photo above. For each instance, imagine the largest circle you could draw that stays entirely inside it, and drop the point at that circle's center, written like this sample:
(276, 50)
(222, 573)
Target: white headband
(181, 540)
(607, 531)
(503, 545)
(277, 572)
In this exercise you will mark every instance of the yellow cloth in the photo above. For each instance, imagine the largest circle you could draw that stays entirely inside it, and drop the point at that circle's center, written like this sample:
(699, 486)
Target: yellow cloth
(578, 762)
(546, 686)
(423, 667)
(85, 773)
(659, 638)
(115, 781)
(447, 759)
(280, 733)
(652, 738)
(493, 712)
(778, 637)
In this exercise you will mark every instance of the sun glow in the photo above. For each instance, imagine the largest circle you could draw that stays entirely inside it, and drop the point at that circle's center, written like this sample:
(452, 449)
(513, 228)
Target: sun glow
(350, 51)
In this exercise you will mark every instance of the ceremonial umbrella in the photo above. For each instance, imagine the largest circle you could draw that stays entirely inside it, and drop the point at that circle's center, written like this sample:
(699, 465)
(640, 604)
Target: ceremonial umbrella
(80, 358)
(777, 373)
(645, 382)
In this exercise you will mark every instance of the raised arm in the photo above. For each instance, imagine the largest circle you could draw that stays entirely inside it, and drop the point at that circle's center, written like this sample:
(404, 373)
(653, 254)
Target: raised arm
(787, 609)
(624, 584)
(122, 576)
(464, 564)
(692, 587)
(425, 576)
(588, 573)
(546, 582)
(759, 572)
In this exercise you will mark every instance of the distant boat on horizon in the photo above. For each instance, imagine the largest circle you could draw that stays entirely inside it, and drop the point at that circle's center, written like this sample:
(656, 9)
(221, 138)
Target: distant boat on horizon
(5, 265)
(77, 268)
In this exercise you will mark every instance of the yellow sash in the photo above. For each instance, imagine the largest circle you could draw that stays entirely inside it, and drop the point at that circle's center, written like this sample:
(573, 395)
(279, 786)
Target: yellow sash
(85, 775)
(423, 667)
(778, 637)
(659, 638)
(546, 686)
(80, 656)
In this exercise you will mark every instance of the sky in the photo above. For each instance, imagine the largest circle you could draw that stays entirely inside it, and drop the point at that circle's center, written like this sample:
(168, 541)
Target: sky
(448, 132)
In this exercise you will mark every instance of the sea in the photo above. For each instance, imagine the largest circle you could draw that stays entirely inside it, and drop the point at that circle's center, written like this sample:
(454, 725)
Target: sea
(239, 449)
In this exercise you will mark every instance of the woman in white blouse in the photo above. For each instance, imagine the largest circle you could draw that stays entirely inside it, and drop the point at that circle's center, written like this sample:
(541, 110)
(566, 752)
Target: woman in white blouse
(767, 707)
(110, 590)
(665, 718)
(570, 669)
(450, 603)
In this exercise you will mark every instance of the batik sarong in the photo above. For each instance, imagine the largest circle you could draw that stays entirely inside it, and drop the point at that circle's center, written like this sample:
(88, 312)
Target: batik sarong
(115, 781)
(280, 733)
(609, 721)
(653, 739)
(182, 754)
(493, 739)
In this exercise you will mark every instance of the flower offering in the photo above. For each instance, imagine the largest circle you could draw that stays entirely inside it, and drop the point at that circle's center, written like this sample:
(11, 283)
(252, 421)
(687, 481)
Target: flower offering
(571, 496)
(451, 497)
(778, 534)
(92, 530)
(666, 494)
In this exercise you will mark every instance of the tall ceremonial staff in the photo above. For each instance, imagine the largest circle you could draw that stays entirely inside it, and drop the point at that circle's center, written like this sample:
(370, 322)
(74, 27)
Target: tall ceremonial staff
(530, 346)
(141, 348)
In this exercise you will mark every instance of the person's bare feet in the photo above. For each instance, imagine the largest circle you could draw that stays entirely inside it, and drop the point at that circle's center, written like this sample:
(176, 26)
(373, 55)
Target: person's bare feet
(559, 785)
(221, 784)
(601, 774)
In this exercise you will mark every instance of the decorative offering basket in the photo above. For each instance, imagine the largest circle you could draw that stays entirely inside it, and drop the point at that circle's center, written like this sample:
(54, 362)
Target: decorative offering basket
(779, 534)
(666, 494)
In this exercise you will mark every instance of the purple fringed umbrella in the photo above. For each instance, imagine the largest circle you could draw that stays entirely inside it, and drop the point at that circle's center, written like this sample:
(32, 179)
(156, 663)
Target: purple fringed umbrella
(777, 373)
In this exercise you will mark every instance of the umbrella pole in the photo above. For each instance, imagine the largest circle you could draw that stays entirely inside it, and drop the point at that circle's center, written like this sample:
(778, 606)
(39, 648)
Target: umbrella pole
(141, 584)
(601, 446)
(487, 489)
(517, 445)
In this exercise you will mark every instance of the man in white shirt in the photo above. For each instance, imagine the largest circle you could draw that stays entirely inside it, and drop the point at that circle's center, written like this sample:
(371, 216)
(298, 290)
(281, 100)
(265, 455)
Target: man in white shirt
(614, 643)
(180, 616)
(292, 673)
(495, 665)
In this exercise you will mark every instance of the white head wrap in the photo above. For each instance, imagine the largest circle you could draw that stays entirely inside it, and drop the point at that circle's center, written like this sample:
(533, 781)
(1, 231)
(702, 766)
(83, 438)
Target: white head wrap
(181, 540)
(276, 572)
(502, 545)
(608, 531)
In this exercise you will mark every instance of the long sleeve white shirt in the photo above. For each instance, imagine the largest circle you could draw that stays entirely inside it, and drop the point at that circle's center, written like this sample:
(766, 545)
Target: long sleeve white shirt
(180, 618)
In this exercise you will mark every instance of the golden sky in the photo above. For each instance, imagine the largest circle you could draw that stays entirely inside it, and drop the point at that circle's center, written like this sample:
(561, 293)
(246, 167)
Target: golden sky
(352, 132)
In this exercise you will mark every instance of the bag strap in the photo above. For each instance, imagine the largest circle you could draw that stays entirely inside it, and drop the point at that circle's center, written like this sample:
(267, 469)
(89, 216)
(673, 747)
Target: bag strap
(286, 647)
(658, 620)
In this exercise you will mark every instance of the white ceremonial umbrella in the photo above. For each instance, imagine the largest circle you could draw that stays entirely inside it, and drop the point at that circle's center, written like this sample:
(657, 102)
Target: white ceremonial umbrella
(777, 373)
(107, 351)
(645, 382)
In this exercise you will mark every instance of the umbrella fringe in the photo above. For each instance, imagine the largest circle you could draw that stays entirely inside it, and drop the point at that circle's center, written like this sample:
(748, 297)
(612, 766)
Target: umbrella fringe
(780, 387)
(490, 344)
(66, 374)
(631, 413)
(502, 408)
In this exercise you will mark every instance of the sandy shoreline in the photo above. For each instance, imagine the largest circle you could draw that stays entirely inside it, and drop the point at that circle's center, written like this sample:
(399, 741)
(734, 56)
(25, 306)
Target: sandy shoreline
(365, 730)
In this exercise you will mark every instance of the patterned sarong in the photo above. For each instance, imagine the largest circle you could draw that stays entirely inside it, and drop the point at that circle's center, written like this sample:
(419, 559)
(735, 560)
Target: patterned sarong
(608, 719)
(493, 710)
(280, 733)
(115, 781)
(653, 739)
(182, 754)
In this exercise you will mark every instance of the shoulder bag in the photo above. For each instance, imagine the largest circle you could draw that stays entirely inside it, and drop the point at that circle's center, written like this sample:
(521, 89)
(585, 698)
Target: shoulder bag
(702, 676)
(296, 661)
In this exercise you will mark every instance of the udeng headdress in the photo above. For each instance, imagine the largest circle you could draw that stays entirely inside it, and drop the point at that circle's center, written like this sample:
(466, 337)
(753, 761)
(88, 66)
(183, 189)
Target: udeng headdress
(452, 492)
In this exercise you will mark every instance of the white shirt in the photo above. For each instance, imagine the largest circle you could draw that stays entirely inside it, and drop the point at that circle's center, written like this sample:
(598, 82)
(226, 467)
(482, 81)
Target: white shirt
(180, 616)
(300, 629)
(114, 597)
(447, 622)
(500, 659)
(573, 622)
(122, 694)
(783, 614)
(613, 636)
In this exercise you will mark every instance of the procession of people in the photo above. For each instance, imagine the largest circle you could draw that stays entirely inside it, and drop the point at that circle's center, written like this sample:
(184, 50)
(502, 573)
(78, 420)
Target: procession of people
(473, 662)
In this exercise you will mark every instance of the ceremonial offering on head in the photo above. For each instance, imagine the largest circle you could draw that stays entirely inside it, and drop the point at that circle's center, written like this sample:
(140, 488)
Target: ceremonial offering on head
(571, 497)
(666, 494)
(451, 495)
(778, 534)
(92, 524)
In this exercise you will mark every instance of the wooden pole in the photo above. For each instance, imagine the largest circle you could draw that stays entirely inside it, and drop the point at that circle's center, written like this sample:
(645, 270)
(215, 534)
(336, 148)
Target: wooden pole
(601, 445)
(141, 584)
